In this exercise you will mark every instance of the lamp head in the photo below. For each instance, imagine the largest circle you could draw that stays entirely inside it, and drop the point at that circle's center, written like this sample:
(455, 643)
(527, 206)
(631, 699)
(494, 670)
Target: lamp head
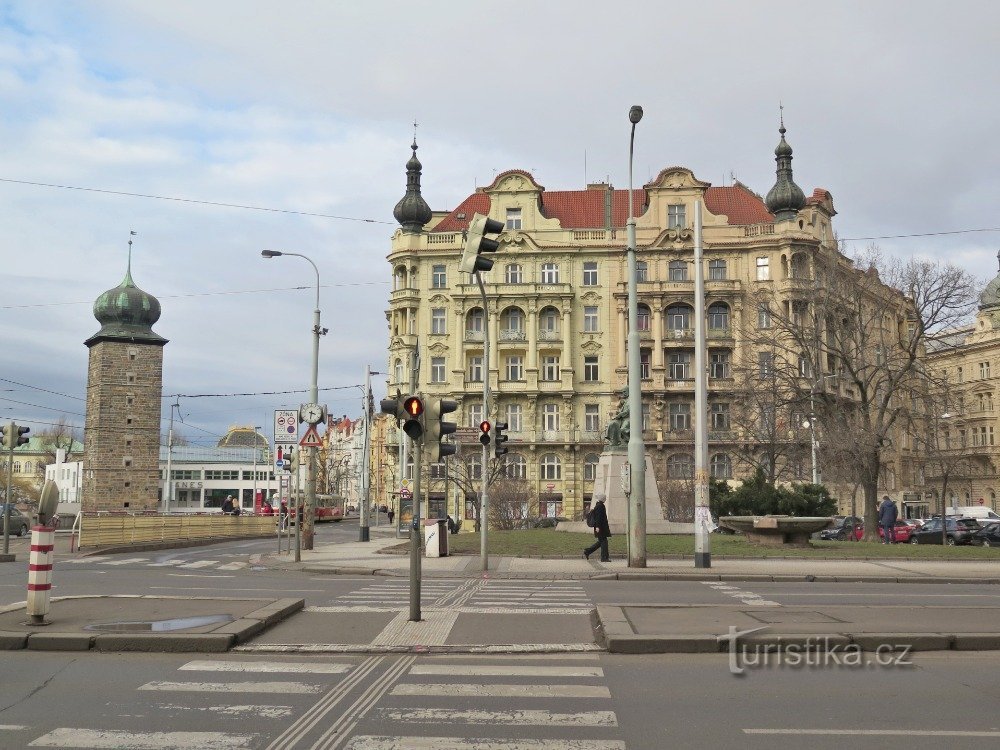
(270, 253)
(635, 114)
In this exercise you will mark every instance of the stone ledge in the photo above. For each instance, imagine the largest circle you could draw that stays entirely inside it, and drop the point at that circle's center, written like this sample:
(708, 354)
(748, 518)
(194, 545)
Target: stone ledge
(179, 643)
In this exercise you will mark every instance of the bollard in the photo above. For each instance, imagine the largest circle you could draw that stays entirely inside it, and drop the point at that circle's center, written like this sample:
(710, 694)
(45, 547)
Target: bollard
(40, 574)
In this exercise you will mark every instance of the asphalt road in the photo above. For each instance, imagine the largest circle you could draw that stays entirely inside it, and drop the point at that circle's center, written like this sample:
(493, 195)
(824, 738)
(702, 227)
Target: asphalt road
(557, 702)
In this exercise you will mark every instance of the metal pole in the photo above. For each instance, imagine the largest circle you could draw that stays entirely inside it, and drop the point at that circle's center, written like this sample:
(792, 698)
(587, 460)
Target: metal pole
(364, 531)
(415, 562)
(484, 505)
(11, 433)
(299, 520)
(812, 434)
(255, 449)
(636, 447)
(168, 494)
(702, 512)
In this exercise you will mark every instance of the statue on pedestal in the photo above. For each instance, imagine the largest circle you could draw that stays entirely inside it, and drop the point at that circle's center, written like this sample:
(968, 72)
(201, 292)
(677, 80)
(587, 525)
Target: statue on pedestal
(617, 434)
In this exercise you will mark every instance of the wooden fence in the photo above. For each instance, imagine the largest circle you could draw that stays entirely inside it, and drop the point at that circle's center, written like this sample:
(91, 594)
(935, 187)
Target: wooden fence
(105, 529)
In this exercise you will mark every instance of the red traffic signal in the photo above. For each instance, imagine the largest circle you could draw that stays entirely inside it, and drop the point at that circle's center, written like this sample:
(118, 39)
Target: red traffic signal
(413, 406)
(484, 430)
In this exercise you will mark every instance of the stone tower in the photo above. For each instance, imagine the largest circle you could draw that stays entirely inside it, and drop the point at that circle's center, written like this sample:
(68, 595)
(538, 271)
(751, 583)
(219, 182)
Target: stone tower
(124, 384)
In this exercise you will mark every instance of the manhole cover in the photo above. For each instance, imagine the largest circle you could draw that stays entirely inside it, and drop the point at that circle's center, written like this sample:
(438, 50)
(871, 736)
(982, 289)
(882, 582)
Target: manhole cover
(782, 617)
(161, 626)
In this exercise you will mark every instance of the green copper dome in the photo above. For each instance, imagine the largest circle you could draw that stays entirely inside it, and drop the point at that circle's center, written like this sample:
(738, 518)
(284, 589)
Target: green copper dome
(990, 298)
(786, 198)
(126, 313)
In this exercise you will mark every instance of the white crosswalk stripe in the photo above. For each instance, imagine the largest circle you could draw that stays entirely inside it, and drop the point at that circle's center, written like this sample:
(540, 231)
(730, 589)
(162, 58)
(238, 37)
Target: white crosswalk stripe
(199, 564)
(114, 739)
(177, 562)
(550, 695)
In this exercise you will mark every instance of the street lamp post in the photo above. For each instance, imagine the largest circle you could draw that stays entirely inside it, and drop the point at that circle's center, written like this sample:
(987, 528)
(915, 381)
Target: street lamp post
(309, 513)
(255, 451)
(636, 447)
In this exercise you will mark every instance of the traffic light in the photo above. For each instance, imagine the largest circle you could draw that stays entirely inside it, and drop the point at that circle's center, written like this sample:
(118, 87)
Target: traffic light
(292, 456)
(438, 429)
(476, 243)
(413, 409)
(13, 435)
(499, 449)
(484, 432)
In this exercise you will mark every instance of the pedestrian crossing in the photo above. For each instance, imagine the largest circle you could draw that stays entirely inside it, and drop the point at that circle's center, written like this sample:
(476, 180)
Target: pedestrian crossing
(178, 563)
(384, 702)
(470, 596)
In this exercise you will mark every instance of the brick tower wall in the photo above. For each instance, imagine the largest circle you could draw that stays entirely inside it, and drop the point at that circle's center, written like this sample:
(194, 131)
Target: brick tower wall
(122, 441)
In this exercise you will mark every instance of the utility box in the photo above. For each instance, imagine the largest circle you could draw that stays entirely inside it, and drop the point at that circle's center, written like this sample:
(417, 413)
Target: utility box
(435, 537)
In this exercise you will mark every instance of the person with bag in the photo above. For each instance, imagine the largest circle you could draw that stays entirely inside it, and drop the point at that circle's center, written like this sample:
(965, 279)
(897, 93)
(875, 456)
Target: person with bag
(597, 517)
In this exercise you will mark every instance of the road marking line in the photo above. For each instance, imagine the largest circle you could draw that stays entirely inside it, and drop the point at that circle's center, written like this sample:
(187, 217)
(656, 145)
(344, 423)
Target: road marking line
(501, 691)
(527, 649)
(223, 688)
(199, 564)
(249, 711)
(233, 566)
(120, 738)
(909, 732)
(483, 670)
(165, 563)
(379, 742)
(127, 561)
(266, 666)
(12, 727)
(525, 717)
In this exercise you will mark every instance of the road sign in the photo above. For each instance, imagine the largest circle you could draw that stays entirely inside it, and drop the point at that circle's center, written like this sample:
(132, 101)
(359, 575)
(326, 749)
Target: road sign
(404, 493)
(311, 438)
(286, 426)
(283, 463)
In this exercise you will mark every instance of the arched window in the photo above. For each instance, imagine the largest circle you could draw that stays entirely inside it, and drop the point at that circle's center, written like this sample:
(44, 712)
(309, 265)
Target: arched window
(551, 468)
(28, 467)
(679, 317)
(512, 319)
(642, 317)
(722, 466)
(516, 467)
(680, 466)
(718, 316)
(548, 320)
(17, 467)
(590, 467)
(474, 320)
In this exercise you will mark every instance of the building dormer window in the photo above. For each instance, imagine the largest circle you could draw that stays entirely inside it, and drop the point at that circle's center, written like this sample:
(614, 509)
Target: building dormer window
(675, 216)
(513, 218)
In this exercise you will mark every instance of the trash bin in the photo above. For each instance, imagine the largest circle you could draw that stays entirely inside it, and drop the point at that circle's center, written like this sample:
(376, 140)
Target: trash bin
(435, 537)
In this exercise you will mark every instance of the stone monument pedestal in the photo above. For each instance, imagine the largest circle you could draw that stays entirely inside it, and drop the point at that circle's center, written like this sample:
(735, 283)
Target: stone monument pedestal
(609, 484)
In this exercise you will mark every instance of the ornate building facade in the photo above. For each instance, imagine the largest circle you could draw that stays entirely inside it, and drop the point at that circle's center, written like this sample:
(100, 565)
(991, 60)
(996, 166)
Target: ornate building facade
(557, 313)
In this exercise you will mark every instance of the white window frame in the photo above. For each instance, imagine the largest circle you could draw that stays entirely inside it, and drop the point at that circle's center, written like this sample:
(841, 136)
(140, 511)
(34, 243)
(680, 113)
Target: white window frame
(513, 273)
(439, 321)
(592, 417)
(514, 367)
(550, 273)
(590, 273)
(513, 218)
(550, 368)
(438, 370)
(591, 369)
(590, 319)
(676, 216)
(550, 417)
(439, 277)
(550, 467)
(514, 418)
(763, 268)
(475, 369)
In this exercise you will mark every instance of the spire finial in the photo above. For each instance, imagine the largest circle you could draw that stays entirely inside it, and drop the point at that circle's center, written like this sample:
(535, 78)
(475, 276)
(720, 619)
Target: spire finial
(131, 234)
(781, 117)
(414, 146)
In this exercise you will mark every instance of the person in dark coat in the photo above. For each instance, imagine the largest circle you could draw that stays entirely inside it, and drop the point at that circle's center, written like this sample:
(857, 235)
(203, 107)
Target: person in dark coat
(887, 515)
(601, 530)
(227, 505)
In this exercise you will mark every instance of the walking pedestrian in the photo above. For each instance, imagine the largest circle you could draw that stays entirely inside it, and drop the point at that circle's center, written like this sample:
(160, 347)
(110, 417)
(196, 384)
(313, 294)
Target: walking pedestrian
(391, 513)
(887, 515)
(601, 530)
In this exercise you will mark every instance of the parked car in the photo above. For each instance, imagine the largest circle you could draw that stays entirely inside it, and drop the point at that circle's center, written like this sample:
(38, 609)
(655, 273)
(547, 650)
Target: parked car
(903, 531)
(980, 512)
(19, 523)
(958, 531)
(842, 528)
(988, 536)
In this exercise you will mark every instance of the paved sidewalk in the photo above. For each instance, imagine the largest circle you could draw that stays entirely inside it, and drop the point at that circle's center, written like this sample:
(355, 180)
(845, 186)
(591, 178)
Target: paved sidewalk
(363, 558)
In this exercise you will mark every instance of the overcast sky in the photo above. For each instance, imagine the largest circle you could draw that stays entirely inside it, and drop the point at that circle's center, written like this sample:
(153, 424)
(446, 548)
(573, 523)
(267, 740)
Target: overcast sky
(309, 107)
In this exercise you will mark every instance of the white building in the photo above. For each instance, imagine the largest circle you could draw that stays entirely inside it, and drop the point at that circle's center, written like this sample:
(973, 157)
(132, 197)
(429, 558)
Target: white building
(68, 476)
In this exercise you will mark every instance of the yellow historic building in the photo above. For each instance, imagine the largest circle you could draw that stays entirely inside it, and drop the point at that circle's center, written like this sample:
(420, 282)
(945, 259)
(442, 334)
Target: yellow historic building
(557, 312)
(967, 440)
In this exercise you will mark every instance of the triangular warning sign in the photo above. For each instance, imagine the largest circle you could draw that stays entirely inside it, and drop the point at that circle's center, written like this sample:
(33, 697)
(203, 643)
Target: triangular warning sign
(311, 438)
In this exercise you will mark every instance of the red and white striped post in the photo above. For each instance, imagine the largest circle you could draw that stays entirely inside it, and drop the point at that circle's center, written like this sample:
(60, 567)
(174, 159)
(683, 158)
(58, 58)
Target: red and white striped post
(40, 573)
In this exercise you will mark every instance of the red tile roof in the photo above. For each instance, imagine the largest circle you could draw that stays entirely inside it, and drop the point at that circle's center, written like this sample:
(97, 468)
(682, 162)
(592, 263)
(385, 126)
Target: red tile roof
(584, 209)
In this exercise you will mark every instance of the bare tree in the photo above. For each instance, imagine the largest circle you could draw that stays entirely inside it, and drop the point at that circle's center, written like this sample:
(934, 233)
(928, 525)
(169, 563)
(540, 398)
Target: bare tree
(60, 436)
(867, 321)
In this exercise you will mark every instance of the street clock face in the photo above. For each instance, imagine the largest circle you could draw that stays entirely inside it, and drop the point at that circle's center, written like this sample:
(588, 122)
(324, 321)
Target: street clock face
(311, 413)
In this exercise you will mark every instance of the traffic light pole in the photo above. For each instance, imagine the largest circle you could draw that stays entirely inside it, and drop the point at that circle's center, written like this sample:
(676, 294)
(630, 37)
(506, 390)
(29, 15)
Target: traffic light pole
(484, 506)
(6, 497)
(415, 572)
(364, 530)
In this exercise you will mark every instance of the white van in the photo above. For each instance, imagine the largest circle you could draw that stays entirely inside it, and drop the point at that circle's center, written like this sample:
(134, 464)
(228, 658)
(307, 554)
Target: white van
(981, 513)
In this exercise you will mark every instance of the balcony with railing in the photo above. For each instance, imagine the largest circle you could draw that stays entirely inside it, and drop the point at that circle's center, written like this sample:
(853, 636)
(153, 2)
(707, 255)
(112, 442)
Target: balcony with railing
(678, 334)
(757, 230)
(443, 238)
(512, 335)
(714, 334)
(546, 335)
(473, 336)
(406, 293)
